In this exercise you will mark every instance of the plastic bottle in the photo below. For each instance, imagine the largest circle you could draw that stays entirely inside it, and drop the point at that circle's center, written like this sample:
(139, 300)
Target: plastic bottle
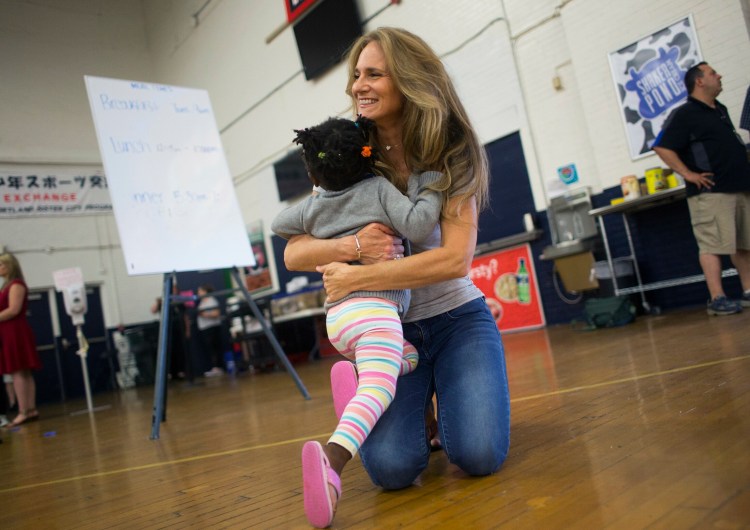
(522, 278)
(229, 362)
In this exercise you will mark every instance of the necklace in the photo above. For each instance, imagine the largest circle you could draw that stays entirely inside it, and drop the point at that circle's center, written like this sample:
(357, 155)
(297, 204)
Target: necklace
(389, 147)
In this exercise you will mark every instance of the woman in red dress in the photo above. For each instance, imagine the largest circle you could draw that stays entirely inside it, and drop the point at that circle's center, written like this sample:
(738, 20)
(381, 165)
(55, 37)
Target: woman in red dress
(18, 355)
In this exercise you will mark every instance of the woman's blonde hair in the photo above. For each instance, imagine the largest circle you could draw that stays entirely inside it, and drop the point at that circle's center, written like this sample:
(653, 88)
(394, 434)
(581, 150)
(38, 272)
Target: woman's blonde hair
(14, 268)
(437, 134)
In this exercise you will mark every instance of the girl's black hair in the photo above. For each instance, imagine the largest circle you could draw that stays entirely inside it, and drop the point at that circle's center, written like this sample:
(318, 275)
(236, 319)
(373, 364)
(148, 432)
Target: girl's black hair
(337, 152)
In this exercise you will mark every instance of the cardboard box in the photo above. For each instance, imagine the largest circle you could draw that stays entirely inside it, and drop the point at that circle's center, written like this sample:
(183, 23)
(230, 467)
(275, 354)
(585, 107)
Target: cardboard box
(577, 272)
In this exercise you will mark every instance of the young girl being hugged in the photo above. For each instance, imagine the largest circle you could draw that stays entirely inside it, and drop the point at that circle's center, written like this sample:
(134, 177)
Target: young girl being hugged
(364, 326)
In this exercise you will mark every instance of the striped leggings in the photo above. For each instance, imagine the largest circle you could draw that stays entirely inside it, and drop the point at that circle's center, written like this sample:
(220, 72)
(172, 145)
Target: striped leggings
(368, 331)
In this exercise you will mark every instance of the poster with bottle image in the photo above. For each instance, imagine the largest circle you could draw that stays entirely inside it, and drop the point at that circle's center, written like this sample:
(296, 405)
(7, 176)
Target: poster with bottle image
(508, 281)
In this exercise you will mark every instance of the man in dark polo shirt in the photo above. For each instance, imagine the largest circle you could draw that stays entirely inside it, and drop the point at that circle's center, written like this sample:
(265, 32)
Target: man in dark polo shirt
(699, 142)
(745, 116)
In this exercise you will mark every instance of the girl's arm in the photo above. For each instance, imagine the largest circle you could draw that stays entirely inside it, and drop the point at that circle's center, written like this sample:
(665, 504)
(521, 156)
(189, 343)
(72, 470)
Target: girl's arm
(452, 259)
(377, 242)
(414, 218)
(16, 296)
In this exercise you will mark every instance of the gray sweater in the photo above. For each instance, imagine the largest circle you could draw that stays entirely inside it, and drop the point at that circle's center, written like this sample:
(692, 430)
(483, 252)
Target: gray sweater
(334, 214)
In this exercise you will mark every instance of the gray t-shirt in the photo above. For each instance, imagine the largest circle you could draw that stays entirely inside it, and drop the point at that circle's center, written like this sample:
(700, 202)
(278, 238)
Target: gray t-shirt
(437, 298)
(206, 304)
(333, 214)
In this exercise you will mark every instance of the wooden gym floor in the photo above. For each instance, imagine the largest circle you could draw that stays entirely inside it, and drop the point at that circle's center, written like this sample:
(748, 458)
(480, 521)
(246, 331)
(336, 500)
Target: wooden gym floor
(644, 426)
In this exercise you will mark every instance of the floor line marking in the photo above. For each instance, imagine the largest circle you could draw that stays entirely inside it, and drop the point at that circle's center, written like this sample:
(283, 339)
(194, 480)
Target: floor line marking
(297, 440)
(162, 464)
(630, 379)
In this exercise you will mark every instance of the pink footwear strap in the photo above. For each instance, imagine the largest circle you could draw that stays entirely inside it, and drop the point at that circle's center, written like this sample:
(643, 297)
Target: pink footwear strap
(334, 480)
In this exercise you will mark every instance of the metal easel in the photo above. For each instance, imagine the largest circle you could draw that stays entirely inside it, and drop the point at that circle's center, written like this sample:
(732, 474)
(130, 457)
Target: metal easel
(160, 389)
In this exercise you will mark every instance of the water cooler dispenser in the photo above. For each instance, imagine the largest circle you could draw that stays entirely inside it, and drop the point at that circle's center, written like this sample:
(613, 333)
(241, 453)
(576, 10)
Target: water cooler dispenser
(574, 233)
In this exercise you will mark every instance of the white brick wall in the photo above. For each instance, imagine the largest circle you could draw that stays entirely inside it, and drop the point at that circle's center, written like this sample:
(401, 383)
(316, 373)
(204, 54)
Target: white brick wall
(45, 50)
(44, 54)
(592, 32)
(525, 14)
(556, 116)
(582, 123)
(503, 71)
(483, 70)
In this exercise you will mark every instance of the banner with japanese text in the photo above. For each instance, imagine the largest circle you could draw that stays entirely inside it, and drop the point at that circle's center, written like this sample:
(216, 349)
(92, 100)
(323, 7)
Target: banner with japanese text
(33, 191)
(648, 76)
(508, 280)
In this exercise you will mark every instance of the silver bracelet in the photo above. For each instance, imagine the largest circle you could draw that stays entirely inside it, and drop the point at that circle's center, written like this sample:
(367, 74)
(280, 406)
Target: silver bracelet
(359, 247)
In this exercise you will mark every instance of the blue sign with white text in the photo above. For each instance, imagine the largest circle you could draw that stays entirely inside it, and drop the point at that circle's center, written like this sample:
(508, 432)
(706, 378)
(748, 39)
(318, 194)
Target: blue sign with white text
(658, 84)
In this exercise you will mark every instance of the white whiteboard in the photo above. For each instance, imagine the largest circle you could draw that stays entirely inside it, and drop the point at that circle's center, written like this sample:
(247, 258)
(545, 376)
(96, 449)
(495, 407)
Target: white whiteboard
(172, 195)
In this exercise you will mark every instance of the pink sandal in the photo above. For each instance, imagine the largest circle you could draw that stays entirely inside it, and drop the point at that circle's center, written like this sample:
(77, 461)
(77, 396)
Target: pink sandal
(344, 383)
(317, 475)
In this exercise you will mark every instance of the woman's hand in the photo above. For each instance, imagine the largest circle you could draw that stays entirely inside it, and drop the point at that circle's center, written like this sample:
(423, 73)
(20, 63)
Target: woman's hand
(452, 259)
(338, 280)
(379, 243)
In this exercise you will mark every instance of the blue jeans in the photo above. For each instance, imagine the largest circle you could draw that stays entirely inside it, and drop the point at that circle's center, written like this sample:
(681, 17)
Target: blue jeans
(461, 360)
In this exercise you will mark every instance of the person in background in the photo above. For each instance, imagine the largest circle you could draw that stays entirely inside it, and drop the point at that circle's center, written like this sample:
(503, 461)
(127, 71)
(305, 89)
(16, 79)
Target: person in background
(745, 116)
(209, 329)
(397, 80)
(179, 336)
(18, 355)
(699, 142)
(364, 326)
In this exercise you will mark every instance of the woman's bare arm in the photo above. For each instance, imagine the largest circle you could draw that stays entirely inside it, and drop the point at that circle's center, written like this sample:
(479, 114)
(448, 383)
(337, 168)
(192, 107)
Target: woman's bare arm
(377, 242)
(451, 260)
(16, 296)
